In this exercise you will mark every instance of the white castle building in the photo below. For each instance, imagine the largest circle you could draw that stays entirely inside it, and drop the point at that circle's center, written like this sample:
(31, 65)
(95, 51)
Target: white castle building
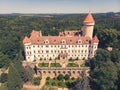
(69, 44)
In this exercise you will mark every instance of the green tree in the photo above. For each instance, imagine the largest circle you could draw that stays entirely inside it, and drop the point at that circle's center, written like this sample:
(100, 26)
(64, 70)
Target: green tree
(4, 60)
(27, 75)
(67, 77)
(103, 72)
(14, 80)
(36, 80)
(60, 77)
(82, 83)
(115, 56)
(3, 78)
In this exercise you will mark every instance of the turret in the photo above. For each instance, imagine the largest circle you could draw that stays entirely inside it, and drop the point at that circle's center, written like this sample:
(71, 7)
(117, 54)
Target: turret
(88, 26)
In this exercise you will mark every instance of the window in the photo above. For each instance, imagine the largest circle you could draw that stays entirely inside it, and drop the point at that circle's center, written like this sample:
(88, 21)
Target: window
(63, 42)
(47, 51)
(46, 42)
(51, 51)
(47, 46)
(79, 41)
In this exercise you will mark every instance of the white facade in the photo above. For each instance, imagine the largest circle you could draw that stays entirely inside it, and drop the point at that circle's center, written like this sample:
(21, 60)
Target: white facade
(61, 47)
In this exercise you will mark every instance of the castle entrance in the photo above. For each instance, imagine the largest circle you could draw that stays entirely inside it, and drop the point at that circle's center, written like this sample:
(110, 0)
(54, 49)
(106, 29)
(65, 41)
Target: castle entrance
(63, 56)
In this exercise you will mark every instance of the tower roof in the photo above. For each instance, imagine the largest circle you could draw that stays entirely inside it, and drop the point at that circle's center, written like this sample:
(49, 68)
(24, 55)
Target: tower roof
(95, 39)
(89, 18)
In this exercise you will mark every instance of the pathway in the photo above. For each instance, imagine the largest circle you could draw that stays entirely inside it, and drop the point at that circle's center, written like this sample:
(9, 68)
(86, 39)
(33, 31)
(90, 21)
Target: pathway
(42, 83)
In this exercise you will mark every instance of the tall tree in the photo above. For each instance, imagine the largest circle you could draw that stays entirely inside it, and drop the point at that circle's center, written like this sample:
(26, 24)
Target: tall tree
(103, 72)
(14, 79)
(82, 83)
(4, 60)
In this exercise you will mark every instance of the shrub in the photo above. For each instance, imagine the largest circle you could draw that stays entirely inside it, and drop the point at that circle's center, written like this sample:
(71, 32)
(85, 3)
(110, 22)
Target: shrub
(61, 84)
(72, 78)
(67, 77)
(48, 83)
(54, 83)
(48, 78)
(54, 78)
(60, 77)
(36, 80)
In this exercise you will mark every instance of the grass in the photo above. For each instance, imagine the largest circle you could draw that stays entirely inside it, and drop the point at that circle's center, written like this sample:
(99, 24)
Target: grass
(82, 65)
(72, 65)
(43, 64)
(55, 65)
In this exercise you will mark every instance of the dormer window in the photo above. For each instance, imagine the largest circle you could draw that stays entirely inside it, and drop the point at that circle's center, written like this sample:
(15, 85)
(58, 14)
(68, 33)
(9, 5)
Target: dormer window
(79, 42)
(46, 42)
(63, 42)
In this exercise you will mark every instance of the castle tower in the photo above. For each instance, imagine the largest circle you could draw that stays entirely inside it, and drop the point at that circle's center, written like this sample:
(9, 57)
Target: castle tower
(88, 26)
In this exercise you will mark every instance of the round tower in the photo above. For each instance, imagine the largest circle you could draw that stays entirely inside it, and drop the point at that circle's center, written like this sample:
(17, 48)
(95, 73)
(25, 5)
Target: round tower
(88, 26)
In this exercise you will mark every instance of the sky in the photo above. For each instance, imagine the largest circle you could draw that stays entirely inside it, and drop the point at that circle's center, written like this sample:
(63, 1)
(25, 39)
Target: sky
(59, 6)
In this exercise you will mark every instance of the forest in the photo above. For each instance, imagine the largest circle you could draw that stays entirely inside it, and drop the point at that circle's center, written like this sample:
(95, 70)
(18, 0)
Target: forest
(105, 72)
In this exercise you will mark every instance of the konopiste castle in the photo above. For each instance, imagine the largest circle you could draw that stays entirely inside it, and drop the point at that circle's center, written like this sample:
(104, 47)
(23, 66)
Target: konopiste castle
(68, 44)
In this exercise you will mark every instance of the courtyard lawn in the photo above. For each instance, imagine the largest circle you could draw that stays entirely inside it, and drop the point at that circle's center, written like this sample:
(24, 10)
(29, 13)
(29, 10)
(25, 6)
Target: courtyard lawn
(55, 65)
(83, 65)
(72, 65)
(43, 64)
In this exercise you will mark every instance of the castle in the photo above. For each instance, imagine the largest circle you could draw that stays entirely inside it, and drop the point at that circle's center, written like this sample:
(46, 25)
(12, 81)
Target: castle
(68, 44)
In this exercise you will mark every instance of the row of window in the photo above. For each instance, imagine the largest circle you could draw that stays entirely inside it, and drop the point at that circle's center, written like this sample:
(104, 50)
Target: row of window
(58, 51)
(62, 42)
(61, 46)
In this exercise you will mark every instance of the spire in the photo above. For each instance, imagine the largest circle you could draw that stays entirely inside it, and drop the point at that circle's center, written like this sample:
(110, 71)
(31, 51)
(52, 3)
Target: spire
(89, 18)
(26, 40)
(95, 39)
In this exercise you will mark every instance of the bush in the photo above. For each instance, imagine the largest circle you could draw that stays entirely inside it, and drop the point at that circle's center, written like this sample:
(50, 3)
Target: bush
(48, 83)
(72, 78)
(48, 78)
(54, 78)
(60, 77)
(54, 83)
(36, 80)
(67, 77)
(61, 84)
(3, 77)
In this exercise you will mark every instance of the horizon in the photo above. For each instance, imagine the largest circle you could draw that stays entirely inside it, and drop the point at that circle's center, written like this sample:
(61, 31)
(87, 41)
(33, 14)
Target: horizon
(58, 7)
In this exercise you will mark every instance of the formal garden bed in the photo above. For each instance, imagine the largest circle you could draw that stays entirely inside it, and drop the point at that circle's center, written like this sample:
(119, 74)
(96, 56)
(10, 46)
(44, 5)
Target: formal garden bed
(72, 65)
(55, 65)
(61, 81)
(43, 64)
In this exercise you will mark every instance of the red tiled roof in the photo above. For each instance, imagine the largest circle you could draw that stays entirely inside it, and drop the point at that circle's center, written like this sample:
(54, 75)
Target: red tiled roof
(26, 40)
(95, 39)
(89, 19)
(36, 39)
(58, 40)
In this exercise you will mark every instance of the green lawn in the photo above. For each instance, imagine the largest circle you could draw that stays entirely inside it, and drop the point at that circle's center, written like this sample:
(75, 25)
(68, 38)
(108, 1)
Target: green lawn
(72, 65)
(55, 65)
(43, 64)
(82, 65)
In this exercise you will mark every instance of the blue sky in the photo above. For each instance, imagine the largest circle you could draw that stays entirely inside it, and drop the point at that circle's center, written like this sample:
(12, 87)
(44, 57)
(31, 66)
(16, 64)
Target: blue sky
(58, 6)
